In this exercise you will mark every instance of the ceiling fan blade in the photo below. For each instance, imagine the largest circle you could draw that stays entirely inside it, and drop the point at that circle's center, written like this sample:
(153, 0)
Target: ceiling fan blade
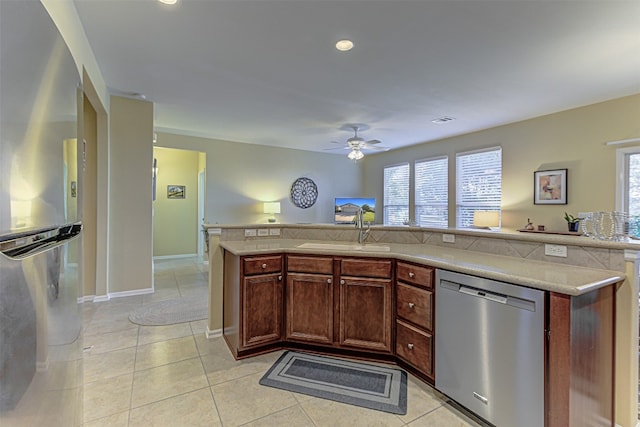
(373, 141)
(375, 147)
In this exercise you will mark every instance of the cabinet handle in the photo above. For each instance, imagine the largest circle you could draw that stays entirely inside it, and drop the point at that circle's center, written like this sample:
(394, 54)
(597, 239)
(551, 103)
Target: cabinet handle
(279, 278)
(329, 281)
(341, 282)
(411, 305)
(410, 346)
(412, 274)
(263, 266)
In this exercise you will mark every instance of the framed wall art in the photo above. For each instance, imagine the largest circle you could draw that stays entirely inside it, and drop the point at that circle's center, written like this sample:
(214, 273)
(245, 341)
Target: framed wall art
(176, 191)
(550, 187)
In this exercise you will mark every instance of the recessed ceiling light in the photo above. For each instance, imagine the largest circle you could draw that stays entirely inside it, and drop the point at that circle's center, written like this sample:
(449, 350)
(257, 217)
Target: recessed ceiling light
(344, 45)
(168, 1)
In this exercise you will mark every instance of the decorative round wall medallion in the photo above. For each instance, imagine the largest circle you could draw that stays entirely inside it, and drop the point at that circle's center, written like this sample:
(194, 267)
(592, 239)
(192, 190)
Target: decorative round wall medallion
(304, 193)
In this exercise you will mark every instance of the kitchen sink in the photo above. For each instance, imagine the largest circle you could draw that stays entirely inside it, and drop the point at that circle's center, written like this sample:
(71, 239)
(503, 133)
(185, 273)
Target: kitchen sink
(345, 247)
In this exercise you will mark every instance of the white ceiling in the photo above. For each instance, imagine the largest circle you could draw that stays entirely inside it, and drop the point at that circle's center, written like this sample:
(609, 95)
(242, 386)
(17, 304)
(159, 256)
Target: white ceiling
(267, 72)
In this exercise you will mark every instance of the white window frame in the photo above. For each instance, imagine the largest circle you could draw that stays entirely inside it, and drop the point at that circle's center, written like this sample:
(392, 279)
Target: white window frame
(384, 193)
(482, 205)
(419, 204)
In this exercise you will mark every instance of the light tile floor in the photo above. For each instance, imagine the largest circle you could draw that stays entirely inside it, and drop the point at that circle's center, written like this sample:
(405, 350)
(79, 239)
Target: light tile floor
(174, 376)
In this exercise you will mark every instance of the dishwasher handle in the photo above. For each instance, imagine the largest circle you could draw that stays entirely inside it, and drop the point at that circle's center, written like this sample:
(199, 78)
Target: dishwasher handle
(479, 293)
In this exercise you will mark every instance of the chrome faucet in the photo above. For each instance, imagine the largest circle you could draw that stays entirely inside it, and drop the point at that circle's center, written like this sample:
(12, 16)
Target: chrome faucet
(362, 233)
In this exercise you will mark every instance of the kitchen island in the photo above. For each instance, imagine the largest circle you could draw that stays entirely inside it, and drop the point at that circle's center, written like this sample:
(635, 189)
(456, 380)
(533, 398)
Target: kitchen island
(565, 285)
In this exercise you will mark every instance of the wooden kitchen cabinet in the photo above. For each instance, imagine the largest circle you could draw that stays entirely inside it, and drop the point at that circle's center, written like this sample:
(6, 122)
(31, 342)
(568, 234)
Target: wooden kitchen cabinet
(366, 304)
(310, 299)
(339, 302)
(253, 301)
(415, 317)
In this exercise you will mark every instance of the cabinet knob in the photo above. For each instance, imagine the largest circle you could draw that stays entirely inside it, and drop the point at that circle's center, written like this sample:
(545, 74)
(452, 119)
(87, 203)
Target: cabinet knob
(411, 305)
(263, 266)
(412, 274)
(410, 346)
(279, 278)
(329, 281)
(341, 282)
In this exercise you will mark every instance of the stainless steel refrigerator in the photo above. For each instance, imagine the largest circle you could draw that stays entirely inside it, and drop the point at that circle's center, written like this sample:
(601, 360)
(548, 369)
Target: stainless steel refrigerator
(40, 222)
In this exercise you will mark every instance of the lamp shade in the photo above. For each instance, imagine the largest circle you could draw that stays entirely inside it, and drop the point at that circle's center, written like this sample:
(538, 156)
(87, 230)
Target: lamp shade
(271, 207)
(486, 219)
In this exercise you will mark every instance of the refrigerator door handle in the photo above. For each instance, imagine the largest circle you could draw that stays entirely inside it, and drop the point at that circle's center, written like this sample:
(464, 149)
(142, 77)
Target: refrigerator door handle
(23, 245)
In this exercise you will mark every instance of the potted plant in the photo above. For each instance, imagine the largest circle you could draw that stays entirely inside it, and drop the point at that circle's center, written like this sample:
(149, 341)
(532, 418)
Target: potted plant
(573, 222)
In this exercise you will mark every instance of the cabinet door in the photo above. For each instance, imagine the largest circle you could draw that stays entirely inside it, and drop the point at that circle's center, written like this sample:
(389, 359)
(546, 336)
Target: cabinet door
(309, 313)
(365, 313)
(261, 310)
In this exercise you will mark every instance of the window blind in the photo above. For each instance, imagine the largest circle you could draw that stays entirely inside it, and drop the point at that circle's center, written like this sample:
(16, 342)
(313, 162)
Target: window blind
(431, 192)
(396, 194)
(478, 183)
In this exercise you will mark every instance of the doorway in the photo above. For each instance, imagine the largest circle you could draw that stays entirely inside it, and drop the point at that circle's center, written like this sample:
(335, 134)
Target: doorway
(178, 209)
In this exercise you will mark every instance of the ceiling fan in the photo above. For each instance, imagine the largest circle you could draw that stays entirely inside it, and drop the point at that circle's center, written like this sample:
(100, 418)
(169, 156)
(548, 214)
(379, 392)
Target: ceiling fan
(356, 144)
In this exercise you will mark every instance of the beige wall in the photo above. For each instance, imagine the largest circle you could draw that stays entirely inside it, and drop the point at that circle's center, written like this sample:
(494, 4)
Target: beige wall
(130, 225)
(175, 221)
(240, 177)
(572, 139)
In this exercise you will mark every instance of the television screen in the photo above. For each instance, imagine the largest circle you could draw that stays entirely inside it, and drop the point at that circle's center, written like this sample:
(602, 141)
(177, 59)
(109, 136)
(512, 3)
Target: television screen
(346, 209)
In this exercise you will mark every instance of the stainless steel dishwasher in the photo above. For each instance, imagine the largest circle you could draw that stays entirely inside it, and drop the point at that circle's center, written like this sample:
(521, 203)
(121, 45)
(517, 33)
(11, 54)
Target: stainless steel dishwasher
(490, 348)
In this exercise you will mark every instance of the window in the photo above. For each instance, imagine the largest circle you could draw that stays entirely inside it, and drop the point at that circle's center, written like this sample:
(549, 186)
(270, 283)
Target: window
(478, 183)
(632, 193)
(396, 194)
(431, 192)
(628, 171)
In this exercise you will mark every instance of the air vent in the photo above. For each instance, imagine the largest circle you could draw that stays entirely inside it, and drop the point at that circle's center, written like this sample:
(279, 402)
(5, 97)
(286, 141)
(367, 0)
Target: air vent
(442, 120)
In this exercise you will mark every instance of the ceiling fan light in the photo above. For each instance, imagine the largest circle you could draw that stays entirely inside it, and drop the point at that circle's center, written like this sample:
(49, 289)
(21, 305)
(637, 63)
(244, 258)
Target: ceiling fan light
(355, 154)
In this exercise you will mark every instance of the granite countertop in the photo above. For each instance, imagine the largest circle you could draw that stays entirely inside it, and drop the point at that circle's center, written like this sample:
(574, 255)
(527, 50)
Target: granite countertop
(565, 279)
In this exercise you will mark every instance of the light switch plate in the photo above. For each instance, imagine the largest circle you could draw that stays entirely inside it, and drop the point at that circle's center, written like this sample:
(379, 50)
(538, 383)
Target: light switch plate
(263, 232)
(555, 250)
(449, 238)
(250, 232)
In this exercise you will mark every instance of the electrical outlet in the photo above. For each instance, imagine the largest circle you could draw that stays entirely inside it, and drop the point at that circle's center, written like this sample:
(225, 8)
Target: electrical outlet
(274, 231)
(263, 232)
(251, 232)
(449, 238)
(555, 250)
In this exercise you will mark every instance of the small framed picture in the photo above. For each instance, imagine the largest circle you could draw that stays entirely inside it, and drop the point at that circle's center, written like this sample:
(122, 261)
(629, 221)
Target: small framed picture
(550, 187)
(176, 191)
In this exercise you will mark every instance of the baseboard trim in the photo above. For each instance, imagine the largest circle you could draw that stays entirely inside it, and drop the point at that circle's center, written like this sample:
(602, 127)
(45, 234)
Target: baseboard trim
(160, 257)
(135, 292)
(213, 333)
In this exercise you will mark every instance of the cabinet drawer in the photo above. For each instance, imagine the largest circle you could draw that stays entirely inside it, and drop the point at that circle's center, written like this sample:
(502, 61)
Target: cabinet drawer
(415, 305)
(415, 274)
(415, 347)
(366, 268)
(261, 265)
(308, 264)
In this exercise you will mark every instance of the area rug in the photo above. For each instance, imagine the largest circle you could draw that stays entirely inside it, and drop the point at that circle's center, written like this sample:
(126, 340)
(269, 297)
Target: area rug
(170, 312)
(356, 383)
